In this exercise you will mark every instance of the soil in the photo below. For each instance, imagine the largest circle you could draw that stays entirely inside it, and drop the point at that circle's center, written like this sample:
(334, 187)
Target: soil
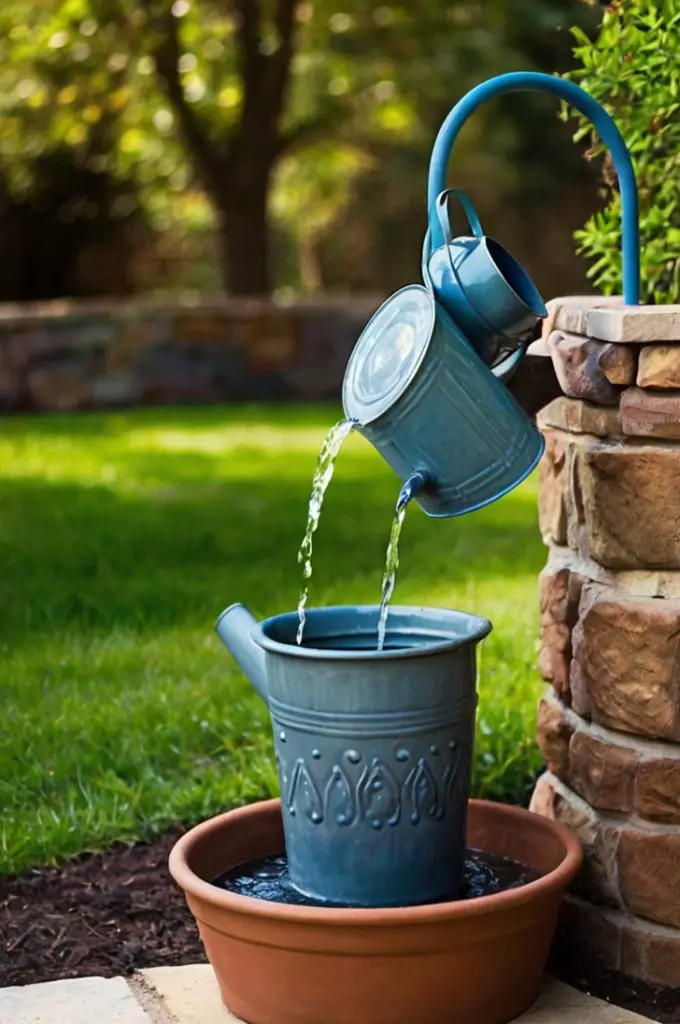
(573, 966)
(113, 913)
(104, 914)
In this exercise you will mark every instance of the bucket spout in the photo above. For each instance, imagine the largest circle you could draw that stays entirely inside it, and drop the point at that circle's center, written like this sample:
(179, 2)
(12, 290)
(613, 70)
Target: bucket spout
(235, 629)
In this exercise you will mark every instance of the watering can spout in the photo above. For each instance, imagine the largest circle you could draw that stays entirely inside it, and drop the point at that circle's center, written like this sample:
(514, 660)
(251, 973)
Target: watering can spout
(416, 483)
(235, 628)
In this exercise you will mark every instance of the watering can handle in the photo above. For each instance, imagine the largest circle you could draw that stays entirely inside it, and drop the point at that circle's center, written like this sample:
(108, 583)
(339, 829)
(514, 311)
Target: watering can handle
(443, 213)
(576, 97)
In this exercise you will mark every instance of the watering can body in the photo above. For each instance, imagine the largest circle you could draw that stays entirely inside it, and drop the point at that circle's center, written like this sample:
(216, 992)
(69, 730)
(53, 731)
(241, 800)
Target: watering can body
(426, 401)
(373, 748)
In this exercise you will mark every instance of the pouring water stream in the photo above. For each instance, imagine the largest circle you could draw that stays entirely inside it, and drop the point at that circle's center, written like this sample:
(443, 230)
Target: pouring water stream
(323, 475)
(415, 483)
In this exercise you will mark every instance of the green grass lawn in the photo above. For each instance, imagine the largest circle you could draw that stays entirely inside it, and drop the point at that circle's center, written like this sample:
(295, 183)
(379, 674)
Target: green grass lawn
(123, 536)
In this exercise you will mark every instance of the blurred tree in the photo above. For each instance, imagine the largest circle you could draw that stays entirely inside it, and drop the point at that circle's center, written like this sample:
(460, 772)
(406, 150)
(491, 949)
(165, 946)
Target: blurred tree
(224, 93)
(311, 192)
(633, 67)
(74, 231)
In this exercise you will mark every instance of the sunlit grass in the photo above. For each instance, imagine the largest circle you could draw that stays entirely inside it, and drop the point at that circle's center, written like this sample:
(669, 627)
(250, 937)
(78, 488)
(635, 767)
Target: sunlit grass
(122, 536)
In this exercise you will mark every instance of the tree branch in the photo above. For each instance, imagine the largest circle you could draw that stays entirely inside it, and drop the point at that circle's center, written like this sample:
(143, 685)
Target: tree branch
(166, 54)
(280, 60)
(315, 129)
(249, 41)
(265, 76)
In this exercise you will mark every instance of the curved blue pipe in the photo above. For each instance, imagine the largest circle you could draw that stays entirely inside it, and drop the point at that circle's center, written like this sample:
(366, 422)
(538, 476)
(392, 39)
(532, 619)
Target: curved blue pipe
(601, 121)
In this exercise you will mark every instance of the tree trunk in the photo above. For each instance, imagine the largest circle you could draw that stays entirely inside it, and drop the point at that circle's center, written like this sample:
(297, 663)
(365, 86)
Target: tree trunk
(311, 279)
(244, 240)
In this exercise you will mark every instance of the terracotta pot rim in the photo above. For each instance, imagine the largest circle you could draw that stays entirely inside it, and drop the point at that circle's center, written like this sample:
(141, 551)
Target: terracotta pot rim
(553, 881)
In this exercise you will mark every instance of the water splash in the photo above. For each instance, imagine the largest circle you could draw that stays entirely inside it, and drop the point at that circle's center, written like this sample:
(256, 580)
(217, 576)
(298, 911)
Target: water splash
(322, 477)
(485, 874)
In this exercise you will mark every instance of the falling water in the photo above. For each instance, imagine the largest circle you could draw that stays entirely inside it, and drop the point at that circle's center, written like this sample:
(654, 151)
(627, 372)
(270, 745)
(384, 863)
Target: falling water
(391, 566)
(322, 477)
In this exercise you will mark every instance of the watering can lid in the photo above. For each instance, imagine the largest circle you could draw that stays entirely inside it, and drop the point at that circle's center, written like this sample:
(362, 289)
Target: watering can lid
(388, 353)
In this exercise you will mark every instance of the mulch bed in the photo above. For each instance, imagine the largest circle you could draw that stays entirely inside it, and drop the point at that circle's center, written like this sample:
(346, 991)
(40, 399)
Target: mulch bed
(105, 914)
(586, 974)
(116, 912)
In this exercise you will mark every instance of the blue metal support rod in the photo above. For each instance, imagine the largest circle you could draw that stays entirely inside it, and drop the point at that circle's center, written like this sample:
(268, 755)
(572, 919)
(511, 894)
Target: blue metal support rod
(601, 121)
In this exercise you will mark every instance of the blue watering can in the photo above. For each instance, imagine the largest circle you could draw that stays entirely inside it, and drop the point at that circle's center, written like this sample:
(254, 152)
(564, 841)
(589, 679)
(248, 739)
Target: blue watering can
(418, 384)
(482, 287)
(422, 396)
(373, 748)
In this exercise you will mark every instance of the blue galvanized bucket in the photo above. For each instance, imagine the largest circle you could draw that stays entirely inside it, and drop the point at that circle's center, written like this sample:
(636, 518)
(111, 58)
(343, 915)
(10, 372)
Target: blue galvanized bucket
(422, 396)
(374, 748)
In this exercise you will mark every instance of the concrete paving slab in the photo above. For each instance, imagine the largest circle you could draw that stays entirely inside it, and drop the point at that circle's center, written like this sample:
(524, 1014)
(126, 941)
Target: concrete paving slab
(191, 996)
(74, 1001)
(561, 1004)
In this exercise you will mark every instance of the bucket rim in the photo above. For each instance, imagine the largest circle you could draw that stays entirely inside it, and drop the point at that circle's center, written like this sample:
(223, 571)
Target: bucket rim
(435, 625)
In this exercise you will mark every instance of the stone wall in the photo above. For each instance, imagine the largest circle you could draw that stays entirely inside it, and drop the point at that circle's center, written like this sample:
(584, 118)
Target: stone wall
(609, 723)
(66, 355)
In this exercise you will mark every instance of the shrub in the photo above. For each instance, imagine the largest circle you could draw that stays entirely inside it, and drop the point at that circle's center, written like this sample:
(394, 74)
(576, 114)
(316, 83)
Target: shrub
(632, 67)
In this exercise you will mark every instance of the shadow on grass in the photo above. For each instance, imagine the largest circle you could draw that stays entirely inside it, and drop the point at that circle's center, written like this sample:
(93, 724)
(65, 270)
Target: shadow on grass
(186, 418)
(89, 558)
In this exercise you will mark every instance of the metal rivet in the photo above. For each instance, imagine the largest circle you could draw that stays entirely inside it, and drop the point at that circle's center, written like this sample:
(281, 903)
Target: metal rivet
(282, 736)
(353, 756)
(402, 754)
(316, 754)
(434, 749)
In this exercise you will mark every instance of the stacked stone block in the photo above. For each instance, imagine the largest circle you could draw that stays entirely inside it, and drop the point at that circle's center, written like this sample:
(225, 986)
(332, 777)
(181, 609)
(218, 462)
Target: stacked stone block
(609, 723)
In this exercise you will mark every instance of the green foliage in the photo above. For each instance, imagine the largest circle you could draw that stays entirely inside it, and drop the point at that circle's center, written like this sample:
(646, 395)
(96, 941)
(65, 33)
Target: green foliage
(79, 74)
(122, 536)
(633, 67)
(364, 81)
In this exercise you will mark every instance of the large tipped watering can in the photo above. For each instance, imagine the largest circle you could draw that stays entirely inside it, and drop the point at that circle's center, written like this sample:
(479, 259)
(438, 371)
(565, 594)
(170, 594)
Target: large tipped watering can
(374, 748)
(423, 397)
(419, 384)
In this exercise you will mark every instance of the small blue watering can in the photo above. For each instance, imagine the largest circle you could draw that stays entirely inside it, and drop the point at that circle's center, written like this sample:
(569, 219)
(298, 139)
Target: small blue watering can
(373, 748)
(482, 287)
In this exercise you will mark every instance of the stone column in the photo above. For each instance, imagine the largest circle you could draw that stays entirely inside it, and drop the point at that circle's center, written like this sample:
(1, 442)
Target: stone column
(609, 722)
